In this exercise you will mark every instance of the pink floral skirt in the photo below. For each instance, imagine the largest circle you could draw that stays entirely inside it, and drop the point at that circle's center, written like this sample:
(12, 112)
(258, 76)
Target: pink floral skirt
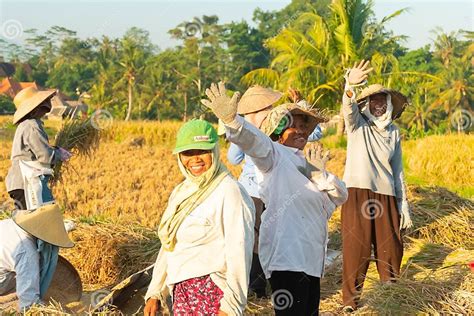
(197, 296)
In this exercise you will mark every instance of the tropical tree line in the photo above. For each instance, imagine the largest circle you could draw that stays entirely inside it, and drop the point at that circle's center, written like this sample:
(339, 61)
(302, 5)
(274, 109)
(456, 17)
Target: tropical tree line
(307, 46)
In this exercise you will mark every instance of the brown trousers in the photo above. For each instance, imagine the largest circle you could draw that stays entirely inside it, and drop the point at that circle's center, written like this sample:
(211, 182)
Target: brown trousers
(368, 219)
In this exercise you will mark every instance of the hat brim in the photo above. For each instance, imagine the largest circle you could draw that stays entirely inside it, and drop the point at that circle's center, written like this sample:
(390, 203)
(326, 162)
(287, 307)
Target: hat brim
(399, 101)
(29, 105)
(47, 225)
(198, 146)
(256, 102)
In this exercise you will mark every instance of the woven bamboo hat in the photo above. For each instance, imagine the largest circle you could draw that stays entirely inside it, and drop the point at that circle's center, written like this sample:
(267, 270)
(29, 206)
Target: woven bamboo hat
(287, 110)
(45, 223)
(27, 100)
(399, 101)
(257, 98)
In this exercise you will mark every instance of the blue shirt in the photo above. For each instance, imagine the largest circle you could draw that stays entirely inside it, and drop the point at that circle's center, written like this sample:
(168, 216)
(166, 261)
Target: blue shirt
(316, 135)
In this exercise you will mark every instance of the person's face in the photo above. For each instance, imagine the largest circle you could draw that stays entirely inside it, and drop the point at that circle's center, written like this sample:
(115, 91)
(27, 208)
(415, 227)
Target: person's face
(196, 161)
(378, 104)
(42, 109)
(297, 134)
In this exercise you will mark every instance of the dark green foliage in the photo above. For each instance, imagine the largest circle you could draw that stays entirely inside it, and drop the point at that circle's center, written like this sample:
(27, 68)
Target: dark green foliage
(305, 45)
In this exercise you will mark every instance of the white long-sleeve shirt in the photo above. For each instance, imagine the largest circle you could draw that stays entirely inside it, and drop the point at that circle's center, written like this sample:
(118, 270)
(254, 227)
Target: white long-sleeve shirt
(19, 258)
(294, 232)
(216, 239)
(247, 178)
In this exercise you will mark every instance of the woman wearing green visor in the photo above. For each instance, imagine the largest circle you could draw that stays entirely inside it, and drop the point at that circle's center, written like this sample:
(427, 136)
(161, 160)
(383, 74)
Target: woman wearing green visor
(206, 233)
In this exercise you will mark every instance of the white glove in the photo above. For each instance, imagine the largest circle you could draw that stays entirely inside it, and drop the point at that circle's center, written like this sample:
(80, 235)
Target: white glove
(405, 216)
(69, 225)
(316, 160)
(224, 107)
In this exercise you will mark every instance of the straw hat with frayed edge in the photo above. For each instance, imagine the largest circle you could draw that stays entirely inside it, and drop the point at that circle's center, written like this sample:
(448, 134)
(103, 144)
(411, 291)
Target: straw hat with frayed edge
(196, 134)
(274, 118)
(257, 98)
(27, 100)
(45, 223)
(399, 101)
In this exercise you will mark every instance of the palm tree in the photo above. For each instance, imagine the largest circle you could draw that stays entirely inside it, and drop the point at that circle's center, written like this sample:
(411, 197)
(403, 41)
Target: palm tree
(456, 87)
(419, 115)
(312, 58)
(102, 91)
(302, 60)
(132, 64)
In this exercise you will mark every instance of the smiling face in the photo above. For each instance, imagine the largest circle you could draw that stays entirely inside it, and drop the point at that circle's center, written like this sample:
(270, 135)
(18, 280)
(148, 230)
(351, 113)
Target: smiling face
(297, 134)
(196, 161)
(378, 104)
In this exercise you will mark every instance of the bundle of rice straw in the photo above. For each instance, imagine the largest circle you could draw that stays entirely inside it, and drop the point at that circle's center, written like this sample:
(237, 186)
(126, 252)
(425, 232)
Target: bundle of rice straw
(78, 136)
(437, 293)
(106, 253)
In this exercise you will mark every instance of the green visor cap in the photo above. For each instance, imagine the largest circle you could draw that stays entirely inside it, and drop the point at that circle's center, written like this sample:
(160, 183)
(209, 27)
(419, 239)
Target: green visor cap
(195, 134)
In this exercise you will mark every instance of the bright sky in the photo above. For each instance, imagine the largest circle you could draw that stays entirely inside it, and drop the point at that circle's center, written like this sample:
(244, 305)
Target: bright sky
(113, 18)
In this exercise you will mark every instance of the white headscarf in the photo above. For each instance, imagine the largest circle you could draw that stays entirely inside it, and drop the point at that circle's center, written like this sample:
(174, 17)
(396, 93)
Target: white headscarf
(384, 120)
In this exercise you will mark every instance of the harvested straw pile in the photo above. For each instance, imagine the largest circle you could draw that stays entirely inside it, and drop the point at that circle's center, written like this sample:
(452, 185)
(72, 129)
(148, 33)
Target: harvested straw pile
(105, 254)
(51, 309)
(442, 217)
(447, 289)
(432, 295)
(78, 136)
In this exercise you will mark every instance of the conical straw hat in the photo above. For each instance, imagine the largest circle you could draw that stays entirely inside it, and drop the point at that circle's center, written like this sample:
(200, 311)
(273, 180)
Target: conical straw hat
(45, 223)
(257, 98)
(27, 100)
(399, 101)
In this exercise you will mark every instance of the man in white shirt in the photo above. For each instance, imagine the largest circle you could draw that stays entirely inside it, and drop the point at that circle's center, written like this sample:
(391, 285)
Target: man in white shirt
(20, 263)
(299, 194)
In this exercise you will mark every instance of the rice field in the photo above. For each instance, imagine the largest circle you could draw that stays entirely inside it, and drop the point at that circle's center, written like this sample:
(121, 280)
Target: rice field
(118, 193)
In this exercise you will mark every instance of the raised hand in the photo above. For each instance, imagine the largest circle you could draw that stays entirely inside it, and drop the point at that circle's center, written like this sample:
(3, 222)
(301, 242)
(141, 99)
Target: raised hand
(316, 156)
(223, 106)
(358, 73)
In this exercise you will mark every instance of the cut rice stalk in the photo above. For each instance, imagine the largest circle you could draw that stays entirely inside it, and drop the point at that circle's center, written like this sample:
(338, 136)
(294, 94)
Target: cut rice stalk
(77, 136)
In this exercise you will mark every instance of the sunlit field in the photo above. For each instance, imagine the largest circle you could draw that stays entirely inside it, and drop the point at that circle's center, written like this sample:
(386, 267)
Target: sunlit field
(117, 196)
